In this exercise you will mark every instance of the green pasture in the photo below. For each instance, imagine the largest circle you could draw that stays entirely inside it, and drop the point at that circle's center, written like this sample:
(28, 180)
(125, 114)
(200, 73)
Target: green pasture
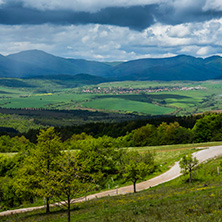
(53, 95)
(10, 92)
(119, 104)
(43, 100)
(187, 101)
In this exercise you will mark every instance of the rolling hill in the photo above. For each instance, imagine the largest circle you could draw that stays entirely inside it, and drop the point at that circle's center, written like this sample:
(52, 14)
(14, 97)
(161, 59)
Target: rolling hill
(39, 63)
(181, 67)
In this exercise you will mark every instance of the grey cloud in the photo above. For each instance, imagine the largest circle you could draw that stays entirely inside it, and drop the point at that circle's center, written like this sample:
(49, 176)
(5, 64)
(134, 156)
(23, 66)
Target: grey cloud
(175, 14)
(135, 17)
(83, 5)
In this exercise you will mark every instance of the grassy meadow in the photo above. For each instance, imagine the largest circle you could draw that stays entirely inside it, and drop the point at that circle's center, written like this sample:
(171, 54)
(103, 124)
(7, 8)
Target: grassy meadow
(119, 104)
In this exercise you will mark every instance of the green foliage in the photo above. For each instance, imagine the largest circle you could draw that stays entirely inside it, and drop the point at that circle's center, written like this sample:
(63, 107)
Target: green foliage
(14, 144)
(101, 158)
(188, 164)
(208, 128)
(9, 169)
(47, 149)
(8, 197)
(15, 83)
(35, 175)
(69, 179)
(145, 135)
(5, 144)
(18, 122)
(26, 180)
(172, 133)
(137, 166)
(78, 141)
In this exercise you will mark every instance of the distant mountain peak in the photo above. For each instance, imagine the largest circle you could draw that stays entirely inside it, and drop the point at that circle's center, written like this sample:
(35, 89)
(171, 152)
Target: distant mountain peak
(30, 54)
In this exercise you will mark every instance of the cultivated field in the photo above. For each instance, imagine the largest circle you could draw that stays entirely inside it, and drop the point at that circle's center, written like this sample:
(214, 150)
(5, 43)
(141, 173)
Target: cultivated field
(148, 98)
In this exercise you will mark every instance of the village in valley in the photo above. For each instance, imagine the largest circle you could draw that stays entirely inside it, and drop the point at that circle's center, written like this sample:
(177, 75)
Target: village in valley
(124, 90)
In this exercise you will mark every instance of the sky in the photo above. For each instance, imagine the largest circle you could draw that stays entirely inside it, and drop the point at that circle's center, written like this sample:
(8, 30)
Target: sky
(112, 30)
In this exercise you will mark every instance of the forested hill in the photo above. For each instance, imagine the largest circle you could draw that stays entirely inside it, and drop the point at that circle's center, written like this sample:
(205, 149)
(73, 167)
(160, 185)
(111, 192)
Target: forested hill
(36, 63)
(181, 67)
(39, 63)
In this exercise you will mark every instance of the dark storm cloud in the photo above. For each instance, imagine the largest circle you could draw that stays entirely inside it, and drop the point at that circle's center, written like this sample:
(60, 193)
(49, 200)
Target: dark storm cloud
(134, 17)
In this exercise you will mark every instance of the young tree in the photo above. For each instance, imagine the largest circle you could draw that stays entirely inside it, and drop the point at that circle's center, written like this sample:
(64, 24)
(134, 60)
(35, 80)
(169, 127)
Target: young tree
(47, 149)
(137, 166)
(188, 164)
(69, 180)
(36, 174)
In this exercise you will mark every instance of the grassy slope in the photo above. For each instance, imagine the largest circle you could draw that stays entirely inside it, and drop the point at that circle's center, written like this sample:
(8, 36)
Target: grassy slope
(173, 201)
(117, 104)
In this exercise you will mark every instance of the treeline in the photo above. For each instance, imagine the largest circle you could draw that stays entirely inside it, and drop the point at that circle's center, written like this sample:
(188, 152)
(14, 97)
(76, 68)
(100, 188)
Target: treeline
(116, 129)
(97, 124)
(46, 171)
(24, 119)
(122, 128)
(205, 128)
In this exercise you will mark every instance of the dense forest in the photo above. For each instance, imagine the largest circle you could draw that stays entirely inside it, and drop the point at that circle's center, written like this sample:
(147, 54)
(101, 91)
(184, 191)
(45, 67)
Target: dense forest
(149, 132)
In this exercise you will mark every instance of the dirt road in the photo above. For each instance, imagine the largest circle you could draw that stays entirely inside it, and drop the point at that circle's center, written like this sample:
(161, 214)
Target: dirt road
(171, 174)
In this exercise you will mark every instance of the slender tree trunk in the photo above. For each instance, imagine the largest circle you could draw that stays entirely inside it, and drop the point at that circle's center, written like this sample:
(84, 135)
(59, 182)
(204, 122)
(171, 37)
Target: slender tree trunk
(190, 177)
(68, 209)
(134, 186)
(47, 205)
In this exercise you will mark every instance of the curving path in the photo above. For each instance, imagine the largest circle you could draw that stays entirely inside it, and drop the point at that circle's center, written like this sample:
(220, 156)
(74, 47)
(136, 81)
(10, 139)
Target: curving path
(171, 174)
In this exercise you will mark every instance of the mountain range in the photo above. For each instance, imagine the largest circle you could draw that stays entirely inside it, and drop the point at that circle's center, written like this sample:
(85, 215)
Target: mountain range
(32, 63)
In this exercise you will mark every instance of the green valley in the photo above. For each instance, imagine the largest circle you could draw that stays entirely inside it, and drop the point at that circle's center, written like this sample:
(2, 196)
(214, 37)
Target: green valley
(147, 98)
